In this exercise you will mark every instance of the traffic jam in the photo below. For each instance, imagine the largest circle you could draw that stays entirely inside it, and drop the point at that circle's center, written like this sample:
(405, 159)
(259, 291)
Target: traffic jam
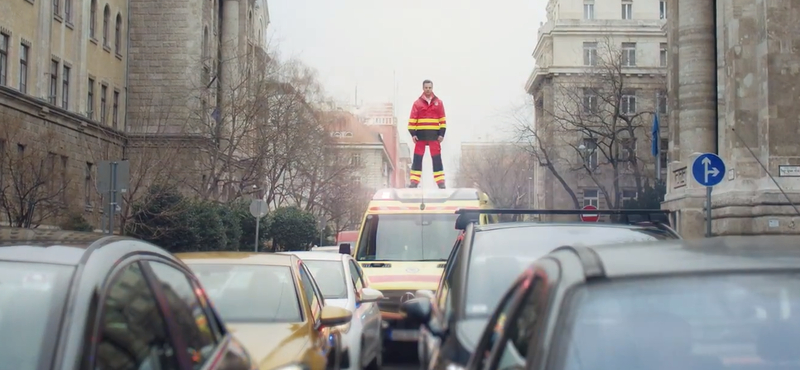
(474, 287)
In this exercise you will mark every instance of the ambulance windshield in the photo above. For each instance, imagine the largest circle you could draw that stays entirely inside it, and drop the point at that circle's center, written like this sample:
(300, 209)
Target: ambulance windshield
(407, 237)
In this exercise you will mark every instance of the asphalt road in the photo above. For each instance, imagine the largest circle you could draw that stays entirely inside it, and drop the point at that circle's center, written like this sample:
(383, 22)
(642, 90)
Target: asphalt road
(403, 357)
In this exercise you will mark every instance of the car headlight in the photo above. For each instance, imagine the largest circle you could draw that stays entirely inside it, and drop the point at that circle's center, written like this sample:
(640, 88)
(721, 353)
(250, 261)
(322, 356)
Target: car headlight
(453, 366)
(293, 367)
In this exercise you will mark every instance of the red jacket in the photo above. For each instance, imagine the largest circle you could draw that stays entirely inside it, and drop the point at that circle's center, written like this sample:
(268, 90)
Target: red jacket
(427, 121)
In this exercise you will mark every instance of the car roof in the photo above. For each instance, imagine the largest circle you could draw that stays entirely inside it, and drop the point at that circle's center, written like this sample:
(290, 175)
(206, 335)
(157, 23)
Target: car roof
(316, 256)
(719, 254)
(237, 258)
(529, 224)
(49, 245)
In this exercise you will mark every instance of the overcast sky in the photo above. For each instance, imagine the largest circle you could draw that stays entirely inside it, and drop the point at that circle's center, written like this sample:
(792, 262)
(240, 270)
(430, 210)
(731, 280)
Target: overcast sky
(477, 54)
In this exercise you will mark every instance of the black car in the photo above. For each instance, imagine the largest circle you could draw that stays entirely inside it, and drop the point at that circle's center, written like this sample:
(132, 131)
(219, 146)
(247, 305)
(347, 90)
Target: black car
(71, 300)
(485, 261)
(711, 304)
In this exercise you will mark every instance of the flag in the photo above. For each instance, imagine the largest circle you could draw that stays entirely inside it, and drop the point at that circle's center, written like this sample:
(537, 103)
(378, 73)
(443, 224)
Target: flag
(656, 139)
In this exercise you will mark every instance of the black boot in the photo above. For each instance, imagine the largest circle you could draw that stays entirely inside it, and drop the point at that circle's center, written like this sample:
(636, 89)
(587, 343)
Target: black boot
(414, 185)
(441, 185)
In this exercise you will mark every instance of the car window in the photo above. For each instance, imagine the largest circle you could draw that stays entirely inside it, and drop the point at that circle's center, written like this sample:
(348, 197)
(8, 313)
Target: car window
(309, 291)
(190, 317)
(521, 325)
(719, 321)
(498, 256)
(32, 297)
(251, 293)
(494, 327)
(329, 276)
(443, 298)
(132, 332)
(355, 274)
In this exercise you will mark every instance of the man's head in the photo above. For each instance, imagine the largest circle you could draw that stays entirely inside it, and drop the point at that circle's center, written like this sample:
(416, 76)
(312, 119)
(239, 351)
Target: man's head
(427, 88)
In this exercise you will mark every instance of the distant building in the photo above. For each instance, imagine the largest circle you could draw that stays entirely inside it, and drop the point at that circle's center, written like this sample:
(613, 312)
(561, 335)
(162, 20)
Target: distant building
(380, 118)
(365, 148)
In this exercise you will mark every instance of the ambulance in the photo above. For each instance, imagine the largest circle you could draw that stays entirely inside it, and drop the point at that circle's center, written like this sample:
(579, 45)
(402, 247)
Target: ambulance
(404, 241)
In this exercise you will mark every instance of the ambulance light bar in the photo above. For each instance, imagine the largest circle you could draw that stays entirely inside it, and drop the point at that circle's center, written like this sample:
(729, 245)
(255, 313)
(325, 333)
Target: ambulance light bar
(425, 195)
(418, 208)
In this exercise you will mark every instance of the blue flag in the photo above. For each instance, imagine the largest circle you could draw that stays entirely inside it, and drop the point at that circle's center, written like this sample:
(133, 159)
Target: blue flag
(656, 137)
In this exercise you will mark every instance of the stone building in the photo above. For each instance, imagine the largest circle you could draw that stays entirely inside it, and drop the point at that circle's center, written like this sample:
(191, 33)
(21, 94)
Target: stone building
(366, 148)
(63, 88)
(734, 67)
(577, 47)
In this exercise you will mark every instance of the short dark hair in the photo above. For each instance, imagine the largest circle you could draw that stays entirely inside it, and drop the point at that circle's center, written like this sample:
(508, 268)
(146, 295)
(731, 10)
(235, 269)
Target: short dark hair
(427, 82)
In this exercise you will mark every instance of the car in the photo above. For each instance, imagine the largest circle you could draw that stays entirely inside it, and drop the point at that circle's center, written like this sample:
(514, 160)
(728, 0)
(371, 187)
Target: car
(715, 303)
(272, 304)
(343, 284)
(327, 248)
(74, 300)
(485, 260)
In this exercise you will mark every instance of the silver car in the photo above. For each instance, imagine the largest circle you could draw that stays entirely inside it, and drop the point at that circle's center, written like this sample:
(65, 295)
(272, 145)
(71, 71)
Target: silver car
(342, 283)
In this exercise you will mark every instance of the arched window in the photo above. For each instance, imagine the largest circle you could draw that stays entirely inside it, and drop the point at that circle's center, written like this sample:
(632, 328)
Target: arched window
(93, 19)
(118, 35)
(106, 19)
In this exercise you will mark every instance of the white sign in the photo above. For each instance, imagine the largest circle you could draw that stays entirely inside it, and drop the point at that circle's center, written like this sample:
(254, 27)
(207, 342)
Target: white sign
(788, 171)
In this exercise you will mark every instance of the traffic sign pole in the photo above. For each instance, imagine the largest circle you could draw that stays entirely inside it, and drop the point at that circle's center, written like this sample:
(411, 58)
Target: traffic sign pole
(258, 208)
(708, 169)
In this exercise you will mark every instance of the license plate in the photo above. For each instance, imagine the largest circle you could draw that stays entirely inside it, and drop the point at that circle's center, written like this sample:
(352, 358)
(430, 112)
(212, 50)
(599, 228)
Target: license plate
(398, 335)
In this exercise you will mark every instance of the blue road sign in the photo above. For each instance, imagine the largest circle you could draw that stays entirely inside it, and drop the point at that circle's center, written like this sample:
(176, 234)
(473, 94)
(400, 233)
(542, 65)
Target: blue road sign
(708, 169)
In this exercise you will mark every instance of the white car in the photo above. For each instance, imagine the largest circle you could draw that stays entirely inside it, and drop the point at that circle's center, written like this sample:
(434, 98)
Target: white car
(342, 283)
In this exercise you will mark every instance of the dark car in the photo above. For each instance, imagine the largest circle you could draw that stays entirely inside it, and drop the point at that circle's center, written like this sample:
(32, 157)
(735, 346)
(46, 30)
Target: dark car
(71, 300)
(485, 261)
(717, 303)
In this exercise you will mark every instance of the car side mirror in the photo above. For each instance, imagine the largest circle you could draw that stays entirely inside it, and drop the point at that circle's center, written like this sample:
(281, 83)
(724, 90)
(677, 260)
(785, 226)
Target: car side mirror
(334, 316)
(417, 310)
(344, 248)
(370, 295)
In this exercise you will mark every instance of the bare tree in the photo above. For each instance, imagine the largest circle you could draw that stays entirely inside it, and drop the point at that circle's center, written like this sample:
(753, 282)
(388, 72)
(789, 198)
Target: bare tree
(502, 171)
(156, 156)
(34, 180)
(601, 116)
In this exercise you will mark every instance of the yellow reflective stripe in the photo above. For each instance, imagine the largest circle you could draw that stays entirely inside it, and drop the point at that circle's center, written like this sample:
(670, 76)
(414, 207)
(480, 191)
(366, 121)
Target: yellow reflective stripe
(428, 128)
(412, 127)
(443, 119)
(427, 120)
(415, 172)
(439, 177)
(412, 120)
(438, 173)
(414, 177)
(442, 125)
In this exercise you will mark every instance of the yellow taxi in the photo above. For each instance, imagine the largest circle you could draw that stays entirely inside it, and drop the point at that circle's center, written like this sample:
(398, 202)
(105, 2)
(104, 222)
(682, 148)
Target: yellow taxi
(273, 306)
(404, 241)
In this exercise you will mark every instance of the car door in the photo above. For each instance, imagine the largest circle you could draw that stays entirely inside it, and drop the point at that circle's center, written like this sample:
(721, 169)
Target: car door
(208, 344)
(322, 339)
(368, 313)
(441, 309)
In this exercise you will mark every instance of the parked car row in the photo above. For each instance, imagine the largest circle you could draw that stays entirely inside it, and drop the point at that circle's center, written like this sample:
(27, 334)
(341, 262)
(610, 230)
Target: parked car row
(72, 300)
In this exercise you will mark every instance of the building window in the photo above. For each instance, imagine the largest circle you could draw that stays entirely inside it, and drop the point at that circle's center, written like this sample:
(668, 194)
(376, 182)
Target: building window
(589, 153)
(103, 92)
(629, 54)
(664, 150)
(627, 9)
(628, 103)
(118, 35)
(661, 102)
(23, 68)
(87, 184)
(115, 109)
(662, 9)
(591, 197)
(90, 100)
(106, 19)
(93, 19)
(53, 81)
(3, 57)
(588, 9)
(662, 53)
(65, 88)
(55, 7)
(589, 101)
(627, 149)
(68, 11)
(590, 53)
(355, 160)
(628, 195)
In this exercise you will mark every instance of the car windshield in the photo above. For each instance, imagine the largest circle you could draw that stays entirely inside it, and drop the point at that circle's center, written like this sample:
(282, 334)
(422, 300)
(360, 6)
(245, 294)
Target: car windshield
(329, 276)
(251, 293)
(407, 237)
(32, 296)
(499, 255)
(748, 321)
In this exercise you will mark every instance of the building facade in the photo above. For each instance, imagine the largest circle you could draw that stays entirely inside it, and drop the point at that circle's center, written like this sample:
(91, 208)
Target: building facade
(733, 71)
(598, 82)
(365, 148)
(380, 118)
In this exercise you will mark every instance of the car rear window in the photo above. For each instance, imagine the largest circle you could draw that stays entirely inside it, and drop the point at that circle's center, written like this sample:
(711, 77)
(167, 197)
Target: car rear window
(32, 297)
(250, 293)
(498, 256)
(733, 321)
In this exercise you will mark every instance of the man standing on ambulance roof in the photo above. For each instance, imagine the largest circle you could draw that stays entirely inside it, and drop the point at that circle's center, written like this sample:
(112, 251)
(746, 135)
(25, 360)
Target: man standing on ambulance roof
(427, 125)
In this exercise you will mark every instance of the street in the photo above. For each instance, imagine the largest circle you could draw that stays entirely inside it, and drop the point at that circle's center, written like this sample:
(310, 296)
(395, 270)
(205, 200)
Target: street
(402, 357)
